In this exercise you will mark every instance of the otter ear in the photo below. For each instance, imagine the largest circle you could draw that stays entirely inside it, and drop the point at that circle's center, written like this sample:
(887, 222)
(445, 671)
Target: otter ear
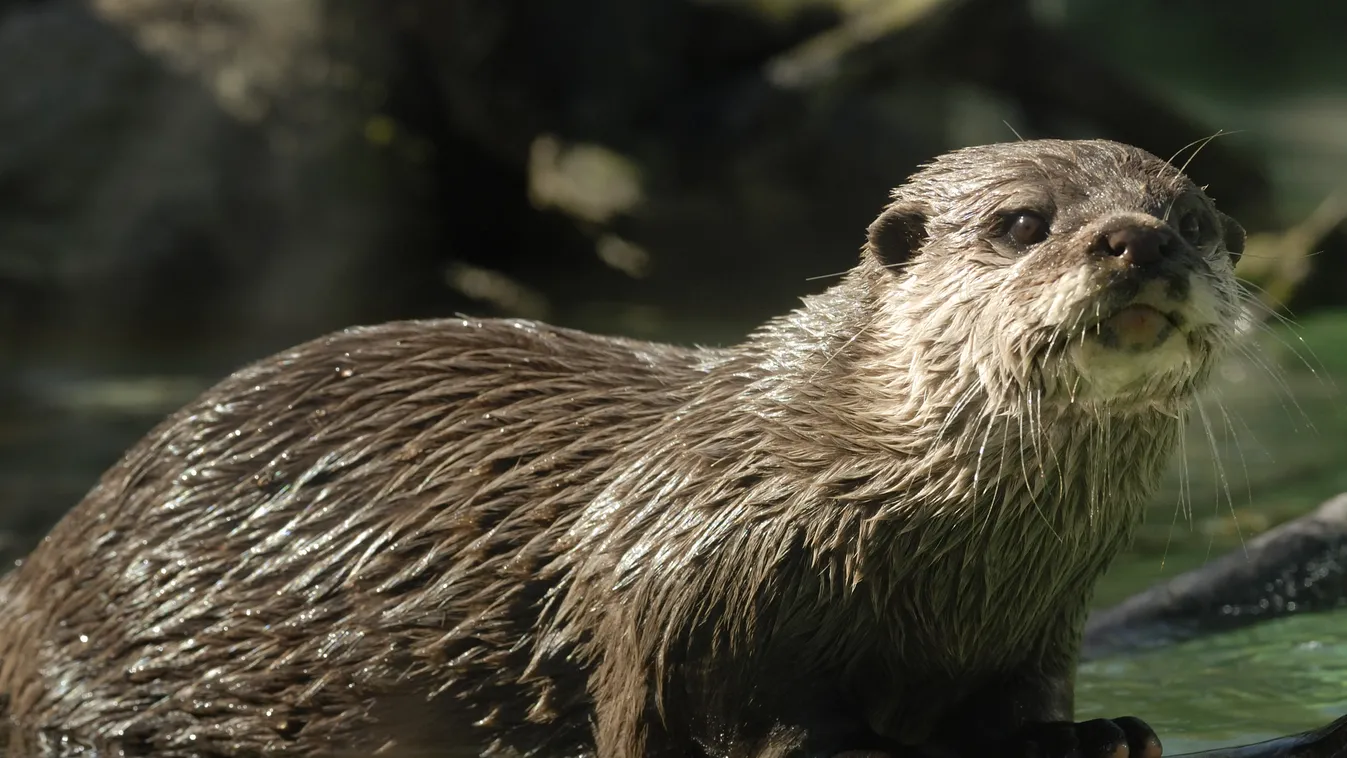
(1233, 235)
(898, 233)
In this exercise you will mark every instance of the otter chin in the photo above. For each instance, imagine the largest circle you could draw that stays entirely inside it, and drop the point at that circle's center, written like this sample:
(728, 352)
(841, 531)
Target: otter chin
(874, 524)
(1135, 346)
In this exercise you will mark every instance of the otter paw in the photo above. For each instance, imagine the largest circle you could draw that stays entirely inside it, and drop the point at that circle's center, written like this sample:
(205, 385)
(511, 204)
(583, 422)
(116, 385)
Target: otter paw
(1126, 737)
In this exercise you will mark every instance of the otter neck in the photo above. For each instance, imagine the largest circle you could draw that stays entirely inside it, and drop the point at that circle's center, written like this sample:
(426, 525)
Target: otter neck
(883, 382)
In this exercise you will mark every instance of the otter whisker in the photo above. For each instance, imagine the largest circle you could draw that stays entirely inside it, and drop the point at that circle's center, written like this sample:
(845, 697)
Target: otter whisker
(961, 403)
(1185, 481)
(1033, 412)
(1249, 292)
(819, 277)
(982, 451)
(859, 332)
(1052, 449)
(1200, 144)
(1279, 381)
(1321, 373)
(1222, 483)
(1276, 257)
(991, 511)
(1239, 447)
(1108, 468)
(1029, 488)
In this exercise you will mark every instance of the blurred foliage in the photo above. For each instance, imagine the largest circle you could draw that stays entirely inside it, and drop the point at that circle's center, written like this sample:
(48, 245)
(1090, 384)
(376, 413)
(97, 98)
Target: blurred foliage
(189, 184)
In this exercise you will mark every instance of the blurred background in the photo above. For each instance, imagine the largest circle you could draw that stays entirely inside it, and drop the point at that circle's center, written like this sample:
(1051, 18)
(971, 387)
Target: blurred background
(189, 185)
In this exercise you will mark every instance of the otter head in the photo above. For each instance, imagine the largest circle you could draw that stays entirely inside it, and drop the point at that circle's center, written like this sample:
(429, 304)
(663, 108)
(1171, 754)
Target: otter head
(1086, 273)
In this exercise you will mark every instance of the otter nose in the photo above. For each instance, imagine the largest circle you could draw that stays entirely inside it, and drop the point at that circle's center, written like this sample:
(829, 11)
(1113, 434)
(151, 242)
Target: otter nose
(1138, 245)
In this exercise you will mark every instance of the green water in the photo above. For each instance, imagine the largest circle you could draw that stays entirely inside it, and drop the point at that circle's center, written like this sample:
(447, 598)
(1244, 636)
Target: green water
(1283, 452)
(1238, 688)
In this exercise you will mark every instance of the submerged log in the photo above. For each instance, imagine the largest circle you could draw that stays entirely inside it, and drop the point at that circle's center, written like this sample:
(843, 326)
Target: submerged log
(1299, 567)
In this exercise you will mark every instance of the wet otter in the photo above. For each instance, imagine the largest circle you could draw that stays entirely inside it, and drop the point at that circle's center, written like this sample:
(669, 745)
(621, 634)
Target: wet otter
(873, 525)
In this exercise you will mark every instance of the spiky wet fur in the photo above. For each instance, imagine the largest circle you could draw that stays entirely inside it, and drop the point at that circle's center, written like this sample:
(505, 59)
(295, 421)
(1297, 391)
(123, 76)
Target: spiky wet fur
(866, 515)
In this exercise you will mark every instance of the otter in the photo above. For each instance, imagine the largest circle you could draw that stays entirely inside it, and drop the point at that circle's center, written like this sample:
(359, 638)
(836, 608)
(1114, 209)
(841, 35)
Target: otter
(874, 525)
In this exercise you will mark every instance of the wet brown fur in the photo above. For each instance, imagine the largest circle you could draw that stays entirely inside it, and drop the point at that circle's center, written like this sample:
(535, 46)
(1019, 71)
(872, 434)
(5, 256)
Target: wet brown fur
(882, 513)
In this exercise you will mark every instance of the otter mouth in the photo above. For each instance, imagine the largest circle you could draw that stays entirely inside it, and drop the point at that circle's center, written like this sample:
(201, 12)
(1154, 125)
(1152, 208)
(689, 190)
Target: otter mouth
(1137, 328)
(1135, 349)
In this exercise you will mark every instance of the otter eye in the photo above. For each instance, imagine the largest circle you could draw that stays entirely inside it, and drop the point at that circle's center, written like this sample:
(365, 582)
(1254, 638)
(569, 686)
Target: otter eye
(1190, 228)
(1027, 228)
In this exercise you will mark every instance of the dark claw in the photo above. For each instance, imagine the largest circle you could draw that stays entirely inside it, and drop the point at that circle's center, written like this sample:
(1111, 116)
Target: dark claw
(1141, 739)
(1126, 737)
(1102, 738)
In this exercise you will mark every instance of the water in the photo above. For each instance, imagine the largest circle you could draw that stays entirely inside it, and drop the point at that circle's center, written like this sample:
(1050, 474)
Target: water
(1255, 684)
